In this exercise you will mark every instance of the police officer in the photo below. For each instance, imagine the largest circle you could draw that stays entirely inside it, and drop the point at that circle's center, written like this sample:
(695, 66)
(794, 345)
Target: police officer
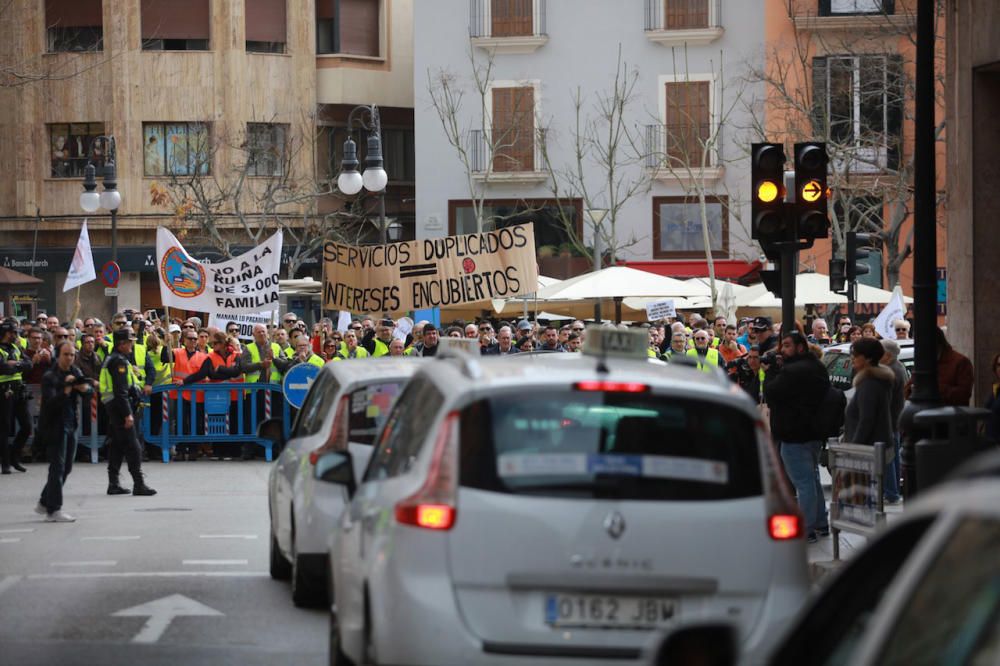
(119, 388)
(13, 404)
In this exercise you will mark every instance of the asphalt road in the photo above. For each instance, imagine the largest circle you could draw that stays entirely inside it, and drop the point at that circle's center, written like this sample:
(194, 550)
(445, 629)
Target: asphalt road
(179, 578)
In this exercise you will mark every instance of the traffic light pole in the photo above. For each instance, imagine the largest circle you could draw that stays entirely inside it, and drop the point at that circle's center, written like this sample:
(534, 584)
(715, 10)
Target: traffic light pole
(852, 297)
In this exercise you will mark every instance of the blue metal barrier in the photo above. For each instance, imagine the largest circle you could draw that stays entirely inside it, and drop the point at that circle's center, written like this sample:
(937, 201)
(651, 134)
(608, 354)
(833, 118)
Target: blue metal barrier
(216, 425)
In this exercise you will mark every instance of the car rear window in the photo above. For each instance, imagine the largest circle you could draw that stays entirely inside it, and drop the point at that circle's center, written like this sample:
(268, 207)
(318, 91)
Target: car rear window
(565, 443)
(369, 408)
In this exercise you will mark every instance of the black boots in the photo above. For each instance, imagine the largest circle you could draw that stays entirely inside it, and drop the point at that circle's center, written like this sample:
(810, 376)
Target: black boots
(143, 489)
(115, 489)
(18, 466)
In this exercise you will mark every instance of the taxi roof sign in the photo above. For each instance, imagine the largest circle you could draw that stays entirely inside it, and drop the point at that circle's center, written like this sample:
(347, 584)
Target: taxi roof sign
(459, 346)
(621, 343)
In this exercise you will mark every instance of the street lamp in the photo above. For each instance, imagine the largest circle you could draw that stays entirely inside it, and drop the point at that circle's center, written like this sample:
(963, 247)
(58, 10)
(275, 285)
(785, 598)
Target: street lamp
(374, 178)
(110, 199)
(597, 216)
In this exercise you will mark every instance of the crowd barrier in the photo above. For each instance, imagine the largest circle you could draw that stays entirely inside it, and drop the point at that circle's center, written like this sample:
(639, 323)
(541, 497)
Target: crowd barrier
(214, 425)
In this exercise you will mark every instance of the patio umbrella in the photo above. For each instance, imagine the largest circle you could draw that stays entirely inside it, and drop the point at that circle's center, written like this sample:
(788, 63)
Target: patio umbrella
(619, 282)
(810, 289)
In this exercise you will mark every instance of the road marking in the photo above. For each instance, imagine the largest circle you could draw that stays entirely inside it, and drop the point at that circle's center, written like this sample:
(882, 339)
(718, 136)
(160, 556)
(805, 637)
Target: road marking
(215, 562)
(10, 540)
(18, 531)
(8, 582)
(151, 574)
(162, 612)
(110, 538)
(86, 563)
(227, 536)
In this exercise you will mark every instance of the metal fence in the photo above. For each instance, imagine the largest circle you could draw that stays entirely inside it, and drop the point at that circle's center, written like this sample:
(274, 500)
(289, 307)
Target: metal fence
(682, 14)
(484, 15)
(679, 147)
(856, 503)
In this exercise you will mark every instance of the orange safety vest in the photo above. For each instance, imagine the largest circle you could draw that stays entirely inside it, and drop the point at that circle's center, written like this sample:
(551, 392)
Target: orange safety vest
(217, 361)
(184, 366)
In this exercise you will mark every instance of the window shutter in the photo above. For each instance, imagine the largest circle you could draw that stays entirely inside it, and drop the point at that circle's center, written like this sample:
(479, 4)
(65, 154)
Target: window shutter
(514, 129)
(265, 21)
(895, 95)
(325, 9)
(359, 27)
(175, 19)
(73, 14)
(820, 76)
(688, 119)
(511, 18)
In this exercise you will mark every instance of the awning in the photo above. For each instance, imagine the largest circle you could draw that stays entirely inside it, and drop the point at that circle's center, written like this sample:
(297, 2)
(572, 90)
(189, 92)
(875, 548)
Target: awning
(725, 269)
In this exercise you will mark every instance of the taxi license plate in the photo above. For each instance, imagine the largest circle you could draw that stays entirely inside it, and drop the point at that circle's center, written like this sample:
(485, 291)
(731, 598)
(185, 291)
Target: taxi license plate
(585, 610)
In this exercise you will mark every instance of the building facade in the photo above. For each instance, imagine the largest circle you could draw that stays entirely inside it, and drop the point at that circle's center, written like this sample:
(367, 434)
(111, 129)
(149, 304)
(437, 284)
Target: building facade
(508, 94)
(218, 109)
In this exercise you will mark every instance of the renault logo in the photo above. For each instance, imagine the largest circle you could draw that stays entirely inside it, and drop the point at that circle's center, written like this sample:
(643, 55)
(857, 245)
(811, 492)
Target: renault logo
(614, 524)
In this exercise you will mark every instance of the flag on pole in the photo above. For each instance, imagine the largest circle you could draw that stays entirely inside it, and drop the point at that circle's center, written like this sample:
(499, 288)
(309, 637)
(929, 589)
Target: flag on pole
(81, 270)
(894, 309)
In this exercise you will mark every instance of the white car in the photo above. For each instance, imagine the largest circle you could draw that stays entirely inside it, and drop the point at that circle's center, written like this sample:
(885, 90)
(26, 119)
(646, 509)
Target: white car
(560, 509)
(345, 408)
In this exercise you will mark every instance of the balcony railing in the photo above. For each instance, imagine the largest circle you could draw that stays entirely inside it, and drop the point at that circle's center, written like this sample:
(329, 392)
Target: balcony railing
(506, 18)
(510, 157)
(669, 15)
(678, 148)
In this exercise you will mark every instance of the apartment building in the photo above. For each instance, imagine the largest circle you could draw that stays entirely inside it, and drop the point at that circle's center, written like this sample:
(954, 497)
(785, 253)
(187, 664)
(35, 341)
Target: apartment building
(498, 128)
(198, 94)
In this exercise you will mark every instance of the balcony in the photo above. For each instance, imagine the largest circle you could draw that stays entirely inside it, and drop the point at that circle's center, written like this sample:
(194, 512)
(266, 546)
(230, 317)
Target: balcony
(511, 27)
(674, 154)
(851, 16)
(679, 22)
(515, 162)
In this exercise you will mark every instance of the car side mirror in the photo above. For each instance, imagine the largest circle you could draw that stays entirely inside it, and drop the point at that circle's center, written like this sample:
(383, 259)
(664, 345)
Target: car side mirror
(273, 430)
(336, 467)
(708, 643)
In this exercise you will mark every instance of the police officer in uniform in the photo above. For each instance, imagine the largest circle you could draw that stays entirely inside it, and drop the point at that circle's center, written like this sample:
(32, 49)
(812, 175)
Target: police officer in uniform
(119, 390)
(13, 404)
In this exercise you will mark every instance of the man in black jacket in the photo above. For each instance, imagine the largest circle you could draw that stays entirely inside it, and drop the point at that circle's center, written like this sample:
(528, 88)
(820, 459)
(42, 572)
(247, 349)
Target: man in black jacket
(794, 388)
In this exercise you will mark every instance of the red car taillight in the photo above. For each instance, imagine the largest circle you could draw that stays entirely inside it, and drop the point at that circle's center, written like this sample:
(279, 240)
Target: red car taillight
(433, 505)
(784, 526)
(611, 387)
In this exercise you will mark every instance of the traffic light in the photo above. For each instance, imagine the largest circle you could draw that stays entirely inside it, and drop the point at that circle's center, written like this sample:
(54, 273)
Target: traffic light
(772, 280)
(810, 190)
(838, 280)
(857, 248)
(767, 166)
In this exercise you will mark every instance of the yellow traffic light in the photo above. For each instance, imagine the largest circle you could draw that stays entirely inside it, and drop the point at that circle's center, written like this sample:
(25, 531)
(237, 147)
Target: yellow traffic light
(812, 191)
(767, 191)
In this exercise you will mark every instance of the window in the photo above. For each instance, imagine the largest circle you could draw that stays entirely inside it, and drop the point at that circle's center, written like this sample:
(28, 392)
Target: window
(511, 18)
(70, 146)
(266, 149)
(74, 25)
(398, 154)
(318, 403)
(175, 25)
(685, 14)
(858, 107)
(687, 119)
(677, 228)
(266, 26)
(848, 7)
(349, 27)
(176, 149)
(405, 430)
(550, 230)
(513, 129)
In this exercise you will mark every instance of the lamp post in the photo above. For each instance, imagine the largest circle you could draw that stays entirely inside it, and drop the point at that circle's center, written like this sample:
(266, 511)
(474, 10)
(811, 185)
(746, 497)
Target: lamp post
(374, 178)
(110, 199)
(597, 216)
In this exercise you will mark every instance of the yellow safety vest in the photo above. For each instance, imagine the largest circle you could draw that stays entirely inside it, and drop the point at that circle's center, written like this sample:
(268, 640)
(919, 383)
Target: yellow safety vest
(316, 360)
(106, 386)
(255, 357)
(140, 361)
(16, 356)
(163, 371)
(711, 359)
(381, 349)
(359, 352)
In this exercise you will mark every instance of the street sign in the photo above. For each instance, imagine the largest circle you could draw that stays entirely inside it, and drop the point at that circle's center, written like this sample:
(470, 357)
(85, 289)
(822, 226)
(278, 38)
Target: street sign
(111, 291)
(297, 382)
(812, 191)
(110, 274)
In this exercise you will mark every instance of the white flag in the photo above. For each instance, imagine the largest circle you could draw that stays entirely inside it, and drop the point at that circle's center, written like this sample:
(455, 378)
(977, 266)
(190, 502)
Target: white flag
(81, 270)
(894, 309)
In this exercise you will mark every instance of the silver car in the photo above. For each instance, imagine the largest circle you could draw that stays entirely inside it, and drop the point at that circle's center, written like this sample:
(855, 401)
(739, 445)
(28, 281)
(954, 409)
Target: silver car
(561, 508)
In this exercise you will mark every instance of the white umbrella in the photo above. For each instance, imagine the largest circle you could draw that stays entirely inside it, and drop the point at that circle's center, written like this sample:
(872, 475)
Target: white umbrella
(811, 289)
(618, 282)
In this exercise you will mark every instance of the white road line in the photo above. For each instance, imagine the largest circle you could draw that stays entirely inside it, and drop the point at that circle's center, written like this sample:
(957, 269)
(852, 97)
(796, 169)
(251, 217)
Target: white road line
(85, 563)
(227, 536)
(215, 562)
(110, 538)
(18, 531)
(151, 574)
(8, 582)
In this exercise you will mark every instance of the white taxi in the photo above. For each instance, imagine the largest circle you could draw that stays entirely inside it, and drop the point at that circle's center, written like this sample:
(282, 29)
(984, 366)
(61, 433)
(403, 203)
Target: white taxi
(560, 507)
(344, 409)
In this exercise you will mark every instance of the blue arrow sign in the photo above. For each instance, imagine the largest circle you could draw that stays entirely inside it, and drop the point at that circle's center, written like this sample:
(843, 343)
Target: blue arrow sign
(297, 382)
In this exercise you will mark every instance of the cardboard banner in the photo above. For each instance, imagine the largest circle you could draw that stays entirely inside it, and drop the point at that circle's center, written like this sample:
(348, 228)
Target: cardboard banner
(430, 273)
(245, 284)
(657, 310)
(245, 321)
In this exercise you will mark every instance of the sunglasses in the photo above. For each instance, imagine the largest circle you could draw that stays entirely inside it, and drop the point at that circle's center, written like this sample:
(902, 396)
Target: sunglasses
(901, 330)
(192, 337)
(290, 321)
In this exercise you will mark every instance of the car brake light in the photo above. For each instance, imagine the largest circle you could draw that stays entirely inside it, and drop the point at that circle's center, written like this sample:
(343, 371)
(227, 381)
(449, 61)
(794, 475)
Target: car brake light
(433, 505)
(337, 439)
(611, 387)
(784, 526)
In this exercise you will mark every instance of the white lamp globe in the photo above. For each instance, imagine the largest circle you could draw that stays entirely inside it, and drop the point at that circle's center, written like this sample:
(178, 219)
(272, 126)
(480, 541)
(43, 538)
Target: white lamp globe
(375, 179)
(90, 201)
(111, 200)
(349, 182)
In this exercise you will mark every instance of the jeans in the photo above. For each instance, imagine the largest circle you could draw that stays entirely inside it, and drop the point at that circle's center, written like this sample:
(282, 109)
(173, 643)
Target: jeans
(801, 461)
(60, 454)
(891, 480)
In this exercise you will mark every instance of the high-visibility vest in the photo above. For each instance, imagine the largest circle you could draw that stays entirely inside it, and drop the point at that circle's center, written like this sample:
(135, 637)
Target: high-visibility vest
(218, 361)
(183, 367)
(359, 352)
(103, 350)
(107, 386)
(381, 349)
(711, 359)
(140, 361)
(13, 354)
(316, 360)
(23, 342)
(255, 357)
(162, 371)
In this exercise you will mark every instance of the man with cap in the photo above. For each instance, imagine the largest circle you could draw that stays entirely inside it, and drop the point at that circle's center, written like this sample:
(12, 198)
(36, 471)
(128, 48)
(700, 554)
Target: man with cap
(766, 340)
(523, 330)
(13, 363)
(119, 389)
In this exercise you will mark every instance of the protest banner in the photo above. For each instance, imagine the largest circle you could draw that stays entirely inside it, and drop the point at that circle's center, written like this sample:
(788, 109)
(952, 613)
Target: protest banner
(894, 310)
(245, 284)
(246, 321)
(431, 272)
(657, 310)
